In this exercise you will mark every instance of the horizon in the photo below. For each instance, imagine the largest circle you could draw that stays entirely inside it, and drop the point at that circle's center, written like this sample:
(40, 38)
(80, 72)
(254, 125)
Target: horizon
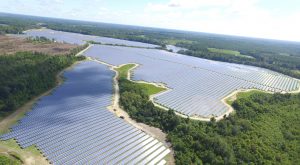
(285, 28)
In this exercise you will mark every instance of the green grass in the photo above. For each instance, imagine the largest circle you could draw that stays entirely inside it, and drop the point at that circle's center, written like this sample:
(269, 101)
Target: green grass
(229, 52)
(123, 70)
(296, 72)
(10, 160)
(248, 93)
(149, 88)
(242, 95)
(175, 41)
(13, 151)
(12, 144)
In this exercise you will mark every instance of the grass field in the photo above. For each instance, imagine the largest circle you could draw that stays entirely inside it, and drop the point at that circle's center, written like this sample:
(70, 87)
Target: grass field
(10, 150)
(123, 70)
(8, 159)
(229, 52)
(242, 95)
(150, 88)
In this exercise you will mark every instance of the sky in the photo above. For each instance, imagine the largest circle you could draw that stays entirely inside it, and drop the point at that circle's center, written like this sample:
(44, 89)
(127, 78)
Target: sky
(273, 19)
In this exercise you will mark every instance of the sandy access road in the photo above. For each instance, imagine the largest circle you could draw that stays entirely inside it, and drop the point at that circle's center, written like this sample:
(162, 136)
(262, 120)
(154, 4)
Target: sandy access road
(118, 111)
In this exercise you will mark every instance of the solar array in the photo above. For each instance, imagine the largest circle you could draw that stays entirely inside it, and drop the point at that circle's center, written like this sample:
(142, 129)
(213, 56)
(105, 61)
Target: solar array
(174, 48)
(197, 85)
(73, 126)
(80, 39)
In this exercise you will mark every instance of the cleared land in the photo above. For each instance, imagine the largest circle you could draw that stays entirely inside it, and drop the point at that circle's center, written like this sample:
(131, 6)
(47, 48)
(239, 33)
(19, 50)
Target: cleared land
(229, 52)
(28, 156)
(13, 44)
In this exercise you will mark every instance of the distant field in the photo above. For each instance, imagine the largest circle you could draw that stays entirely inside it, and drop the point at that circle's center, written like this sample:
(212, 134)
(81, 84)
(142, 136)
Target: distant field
(296, 71)
(175, 41)
(229, 52)
(12, 44)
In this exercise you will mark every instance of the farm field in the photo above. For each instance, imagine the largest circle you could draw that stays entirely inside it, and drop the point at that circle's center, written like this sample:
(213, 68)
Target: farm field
(226, 51)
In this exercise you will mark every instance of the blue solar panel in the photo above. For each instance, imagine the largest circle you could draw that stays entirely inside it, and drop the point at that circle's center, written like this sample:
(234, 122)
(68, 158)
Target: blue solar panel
(197, 85)
(80, 39)
(73, 126)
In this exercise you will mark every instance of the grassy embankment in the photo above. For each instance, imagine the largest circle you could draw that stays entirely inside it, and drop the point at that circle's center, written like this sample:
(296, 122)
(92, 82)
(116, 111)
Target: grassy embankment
(149, 88)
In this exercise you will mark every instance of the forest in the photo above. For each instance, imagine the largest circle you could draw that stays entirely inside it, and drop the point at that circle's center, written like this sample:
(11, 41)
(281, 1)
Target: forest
(28, 74)
(263, 130)
(280, 56)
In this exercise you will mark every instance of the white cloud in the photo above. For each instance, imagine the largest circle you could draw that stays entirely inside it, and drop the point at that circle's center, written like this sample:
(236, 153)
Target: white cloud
(236, 17)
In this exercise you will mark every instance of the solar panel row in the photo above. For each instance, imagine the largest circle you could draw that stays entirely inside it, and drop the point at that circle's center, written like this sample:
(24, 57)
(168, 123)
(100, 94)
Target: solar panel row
(80, 39)
(73, 126)
(197, 85)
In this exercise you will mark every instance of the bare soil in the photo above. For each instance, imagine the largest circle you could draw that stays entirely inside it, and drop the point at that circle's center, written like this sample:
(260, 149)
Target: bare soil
(13, 44)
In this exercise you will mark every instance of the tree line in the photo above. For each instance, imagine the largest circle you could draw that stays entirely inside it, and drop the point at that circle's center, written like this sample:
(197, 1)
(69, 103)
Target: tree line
(280, 56)
(25, 75)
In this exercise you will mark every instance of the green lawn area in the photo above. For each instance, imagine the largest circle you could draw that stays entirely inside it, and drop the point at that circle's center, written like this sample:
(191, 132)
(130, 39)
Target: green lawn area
(229, 52)
(296, 72)
(12, 144)
(8, 159)
(243, 95)
(123, 70)
(150, 88)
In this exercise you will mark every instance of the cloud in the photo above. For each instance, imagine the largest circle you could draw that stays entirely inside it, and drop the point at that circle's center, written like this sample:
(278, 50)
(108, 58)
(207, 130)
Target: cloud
(235, 17)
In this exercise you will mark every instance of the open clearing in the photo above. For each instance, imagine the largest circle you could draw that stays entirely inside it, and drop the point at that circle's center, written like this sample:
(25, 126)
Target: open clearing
(28, 156)
(229, 52)
(13, 44)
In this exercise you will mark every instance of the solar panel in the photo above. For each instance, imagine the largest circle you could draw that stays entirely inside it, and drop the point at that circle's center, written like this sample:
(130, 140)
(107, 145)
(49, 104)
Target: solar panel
(73, 126)
(196, 85)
